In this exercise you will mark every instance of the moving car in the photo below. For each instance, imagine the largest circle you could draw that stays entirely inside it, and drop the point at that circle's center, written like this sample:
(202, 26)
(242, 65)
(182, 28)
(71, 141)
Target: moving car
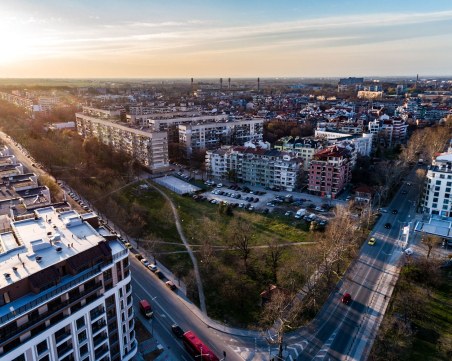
(346, 298)
(372, 241)
(177, 330)
(145, 308)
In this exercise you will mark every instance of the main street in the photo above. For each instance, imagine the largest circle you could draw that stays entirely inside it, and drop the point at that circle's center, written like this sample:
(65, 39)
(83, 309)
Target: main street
(346, 332)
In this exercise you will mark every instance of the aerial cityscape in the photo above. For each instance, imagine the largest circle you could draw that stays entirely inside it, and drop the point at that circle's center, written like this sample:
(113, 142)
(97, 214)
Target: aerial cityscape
(240, 180)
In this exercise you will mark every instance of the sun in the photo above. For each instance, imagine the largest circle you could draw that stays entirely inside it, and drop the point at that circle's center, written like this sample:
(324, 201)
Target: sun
(16, 40)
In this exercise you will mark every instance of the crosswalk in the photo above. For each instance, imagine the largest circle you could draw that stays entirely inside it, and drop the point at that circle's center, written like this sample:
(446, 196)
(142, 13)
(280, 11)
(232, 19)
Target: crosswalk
(290, 353)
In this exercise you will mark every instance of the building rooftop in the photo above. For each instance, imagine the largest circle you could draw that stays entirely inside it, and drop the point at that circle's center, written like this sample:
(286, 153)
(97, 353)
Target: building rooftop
(40, 242)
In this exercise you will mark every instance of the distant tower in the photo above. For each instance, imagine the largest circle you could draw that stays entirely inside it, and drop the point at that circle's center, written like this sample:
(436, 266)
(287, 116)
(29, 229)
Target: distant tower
(229, 83)
(221, 83)
(258, 85)
(191, 84)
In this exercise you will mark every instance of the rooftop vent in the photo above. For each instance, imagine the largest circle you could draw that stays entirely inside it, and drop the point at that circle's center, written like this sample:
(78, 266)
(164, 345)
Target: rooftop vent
(38, 259)
(7, 275)
(58, 249)
(14, 269)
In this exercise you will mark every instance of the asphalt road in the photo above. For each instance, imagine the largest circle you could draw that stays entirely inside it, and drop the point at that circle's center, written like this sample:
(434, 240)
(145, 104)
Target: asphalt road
(169, 309)
(346, 332)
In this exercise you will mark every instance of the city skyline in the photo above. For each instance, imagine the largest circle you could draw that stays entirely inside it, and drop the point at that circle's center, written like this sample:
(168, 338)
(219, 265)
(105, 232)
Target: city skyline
(77, 39)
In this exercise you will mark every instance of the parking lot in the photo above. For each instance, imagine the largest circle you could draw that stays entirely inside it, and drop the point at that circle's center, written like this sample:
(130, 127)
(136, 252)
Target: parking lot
(264, 201)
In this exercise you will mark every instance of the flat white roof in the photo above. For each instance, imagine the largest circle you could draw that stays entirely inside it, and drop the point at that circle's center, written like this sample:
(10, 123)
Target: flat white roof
(49, 238)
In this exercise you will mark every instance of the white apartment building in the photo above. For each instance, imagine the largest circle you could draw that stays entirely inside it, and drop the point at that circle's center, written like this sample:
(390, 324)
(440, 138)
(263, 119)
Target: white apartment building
(390, 131)
(149, 148)
(213, 135)
(268, 168)
(65, 290)
(438, 189)
(303, 148)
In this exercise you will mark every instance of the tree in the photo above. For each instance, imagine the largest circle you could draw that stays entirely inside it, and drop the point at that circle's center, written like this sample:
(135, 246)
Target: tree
(281, 314)
(242, 238)
(275, 253)
(430, 241)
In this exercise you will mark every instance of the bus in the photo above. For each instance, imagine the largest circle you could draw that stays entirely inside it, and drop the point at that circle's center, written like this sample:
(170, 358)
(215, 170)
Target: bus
(197, 348)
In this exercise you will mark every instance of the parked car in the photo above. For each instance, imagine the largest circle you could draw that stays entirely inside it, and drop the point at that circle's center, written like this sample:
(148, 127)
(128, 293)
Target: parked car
(128, 245)
(145, 262)
(387, 225)
(171, 285)
(159, 274)
(372, 241)
(152, 267)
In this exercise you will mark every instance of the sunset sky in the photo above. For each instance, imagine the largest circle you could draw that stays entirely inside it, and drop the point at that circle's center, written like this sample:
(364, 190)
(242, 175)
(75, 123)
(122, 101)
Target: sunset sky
(224, 38)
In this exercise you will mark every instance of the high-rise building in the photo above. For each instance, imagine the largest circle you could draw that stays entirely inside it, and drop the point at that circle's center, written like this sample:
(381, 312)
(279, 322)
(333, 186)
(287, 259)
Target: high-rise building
(438, 189)
(65, 291)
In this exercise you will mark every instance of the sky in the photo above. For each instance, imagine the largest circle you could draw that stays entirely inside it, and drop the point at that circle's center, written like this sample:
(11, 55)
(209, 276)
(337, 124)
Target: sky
(224, 38)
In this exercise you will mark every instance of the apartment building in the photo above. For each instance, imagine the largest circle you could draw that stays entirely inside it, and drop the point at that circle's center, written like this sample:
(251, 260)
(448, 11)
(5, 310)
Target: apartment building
(330, 170)
(18, 100)
(214, 135)
(268, 168)
(65, 291)
(303, 148)
(437, 195)
(389, 131)
(149, 148)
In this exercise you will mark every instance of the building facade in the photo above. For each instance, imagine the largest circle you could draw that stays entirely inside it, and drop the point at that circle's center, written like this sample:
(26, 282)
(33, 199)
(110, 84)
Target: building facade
(65, 291)
(303, 148)
(330, 170)
(149, 148)
(213, 135)
(268, 168)
(437, 195)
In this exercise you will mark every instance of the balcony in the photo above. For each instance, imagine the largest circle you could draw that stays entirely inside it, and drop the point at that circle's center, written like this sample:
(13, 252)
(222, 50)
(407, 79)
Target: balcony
(99, 326)
(101, 351)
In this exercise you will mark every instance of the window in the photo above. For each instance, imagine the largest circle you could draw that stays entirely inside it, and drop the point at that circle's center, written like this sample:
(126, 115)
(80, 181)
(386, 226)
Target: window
(436, 194)
(45, 358)
(83, 350)
(435, 199)
(41, 347)
(438, 182)
(447, 190)
(19, 358)
(435, 205)
(80, 323)
(81, 336)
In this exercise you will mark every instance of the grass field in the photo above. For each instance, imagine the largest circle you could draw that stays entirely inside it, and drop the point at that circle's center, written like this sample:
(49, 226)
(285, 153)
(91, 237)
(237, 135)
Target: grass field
(225, 280)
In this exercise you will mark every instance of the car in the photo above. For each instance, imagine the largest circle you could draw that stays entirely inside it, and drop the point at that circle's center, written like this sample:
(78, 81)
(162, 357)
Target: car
(159, 274)
(219, 185)
(387, 225)
(408, 183)
(177, 330)
(346, 298)
(383, 210)
(395, 211)
(171, 285)
(288, 213)
(128, 245)
(145, 262)
(139, 257)
(256, 200)
(153, 267)
(409, 251)
(371, 241)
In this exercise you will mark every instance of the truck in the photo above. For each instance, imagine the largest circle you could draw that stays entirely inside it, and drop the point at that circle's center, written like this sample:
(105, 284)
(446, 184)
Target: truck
(146, 309)
(300, 213)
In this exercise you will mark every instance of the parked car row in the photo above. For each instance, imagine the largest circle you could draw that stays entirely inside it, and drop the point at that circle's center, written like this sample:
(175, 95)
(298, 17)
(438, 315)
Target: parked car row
(153, 268)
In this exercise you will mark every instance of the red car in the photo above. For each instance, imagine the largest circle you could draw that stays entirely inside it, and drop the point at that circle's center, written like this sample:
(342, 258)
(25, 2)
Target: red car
(346, 298)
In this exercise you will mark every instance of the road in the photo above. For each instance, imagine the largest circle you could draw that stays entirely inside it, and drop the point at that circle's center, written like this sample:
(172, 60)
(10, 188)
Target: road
(346, 332)
(169, 309)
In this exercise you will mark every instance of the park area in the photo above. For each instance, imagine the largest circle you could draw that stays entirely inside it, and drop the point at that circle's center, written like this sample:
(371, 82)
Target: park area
(238, 252)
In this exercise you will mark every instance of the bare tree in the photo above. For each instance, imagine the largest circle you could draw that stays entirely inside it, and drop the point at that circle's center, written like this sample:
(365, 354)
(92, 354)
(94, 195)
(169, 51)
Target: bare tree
(281, 312)
(242, 238)
(430, 241)
(274, 255)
